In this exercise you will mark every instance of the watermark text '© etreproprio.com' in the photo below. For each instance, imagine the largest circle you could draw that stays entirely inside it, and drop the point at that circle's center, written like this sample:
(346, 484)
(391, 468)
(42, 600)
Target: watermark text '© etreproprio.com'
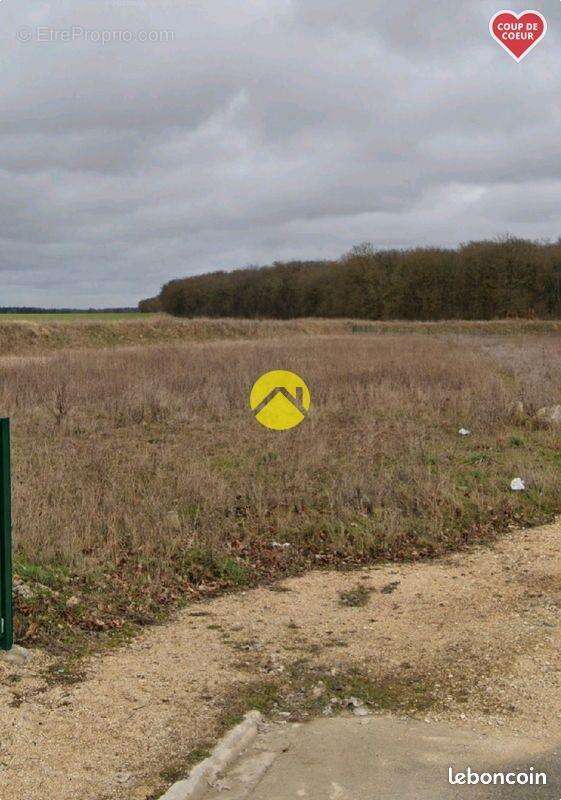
(46, 34)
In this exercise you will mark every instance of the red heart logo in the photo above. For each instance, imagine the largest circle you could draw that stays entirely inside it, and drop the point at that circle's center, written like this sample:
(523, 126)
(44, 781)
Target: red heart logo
(518, 33)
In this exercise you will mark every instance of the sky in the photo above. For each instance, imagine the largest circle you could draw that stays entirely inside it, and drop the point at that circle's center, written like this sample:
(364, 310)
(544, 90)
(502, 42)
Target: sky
(142, 140)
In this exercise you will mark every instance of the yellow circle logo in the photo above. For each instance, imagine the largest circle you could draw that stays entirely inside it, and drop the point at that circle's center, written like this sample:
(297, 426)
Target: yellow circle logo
(280, 400)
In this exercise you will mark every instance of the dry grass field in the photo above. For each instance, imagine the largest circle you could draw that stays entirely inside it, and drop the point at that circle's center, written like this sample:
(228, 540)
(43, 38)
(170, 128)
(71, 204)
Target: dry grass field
(142, 480)
(44, 334)
(37, 334)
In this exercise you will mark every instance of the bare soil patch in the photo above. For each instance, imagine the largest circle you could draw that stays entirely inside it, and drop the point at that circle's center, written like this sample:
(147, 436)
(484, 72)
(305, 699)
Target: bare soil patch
(478, 636)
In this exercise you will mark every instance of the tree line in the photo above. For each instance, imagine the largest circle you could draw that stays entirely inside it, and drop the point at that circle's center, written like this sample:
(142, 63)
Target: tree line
(506, 277)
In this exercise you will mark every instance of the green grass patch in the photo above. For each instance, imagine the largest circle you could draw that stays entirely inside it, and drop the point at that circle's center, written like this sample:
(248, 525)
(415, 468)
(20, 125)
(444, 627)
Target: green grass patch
(357, 597)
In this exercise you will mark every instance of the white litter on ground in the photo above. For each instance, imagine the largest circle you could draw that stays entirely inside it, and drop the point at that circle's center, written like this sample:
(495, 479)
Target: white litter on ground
(464, 432)
(517, 485)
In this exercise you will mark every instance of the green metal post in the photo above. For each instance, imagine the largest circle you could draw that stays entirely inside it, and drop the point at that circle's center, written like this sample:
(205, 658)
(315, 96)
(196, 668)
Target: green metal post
(6, 613)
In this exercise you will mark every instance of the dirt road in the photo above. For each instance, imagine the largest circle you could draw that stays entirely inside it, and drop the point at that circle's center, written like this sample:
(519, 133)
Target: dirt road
(472, 639)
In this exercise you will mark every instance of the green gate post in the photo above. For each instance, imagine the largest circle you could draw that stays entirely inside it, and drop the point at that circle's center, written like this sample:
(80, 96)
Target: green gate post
(6, 613)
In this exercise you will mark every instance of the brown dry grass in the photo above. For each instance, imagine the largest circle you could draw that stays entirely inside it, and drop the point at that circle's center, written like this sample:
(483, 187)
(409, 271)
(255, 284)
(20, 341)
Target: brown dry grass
(141, 477)
(44, 335)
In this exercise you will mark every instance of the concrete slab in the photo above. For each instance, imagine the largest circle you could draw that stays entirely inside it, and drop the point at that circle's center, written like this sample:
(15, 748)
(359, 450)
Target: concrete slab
(385, 759)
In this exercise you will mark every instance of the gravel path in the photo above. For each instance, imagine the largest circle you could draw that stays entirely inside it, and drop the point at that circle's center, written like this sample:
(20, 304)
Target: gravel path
(482, 628)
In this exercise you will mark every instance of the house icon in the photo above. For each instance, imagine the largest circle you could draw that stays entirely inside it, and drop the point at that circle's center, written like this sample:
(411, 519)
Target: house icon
(280, 400)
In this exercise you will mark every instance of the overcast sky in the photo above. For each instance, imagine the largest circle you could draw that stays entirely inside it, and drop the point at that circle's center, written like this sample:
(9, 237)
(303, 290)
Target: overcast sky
(261, 130)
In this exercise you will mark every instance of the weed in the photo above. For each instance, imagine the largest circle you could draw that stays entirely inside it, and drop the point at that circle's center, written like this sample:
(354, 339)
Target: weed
(356, 598)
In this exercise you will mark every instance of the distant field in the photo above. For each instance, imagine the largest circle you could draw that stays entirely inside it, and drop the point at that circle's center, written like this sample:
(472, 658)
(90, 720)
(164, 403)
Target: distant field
(35, 334)
(78, 316)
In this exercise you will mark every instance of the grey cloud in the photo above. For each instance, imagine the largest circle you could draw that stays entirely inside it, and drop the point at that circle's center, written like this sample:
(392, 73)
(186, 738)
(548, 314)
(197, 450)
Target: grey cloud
(266, 130)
